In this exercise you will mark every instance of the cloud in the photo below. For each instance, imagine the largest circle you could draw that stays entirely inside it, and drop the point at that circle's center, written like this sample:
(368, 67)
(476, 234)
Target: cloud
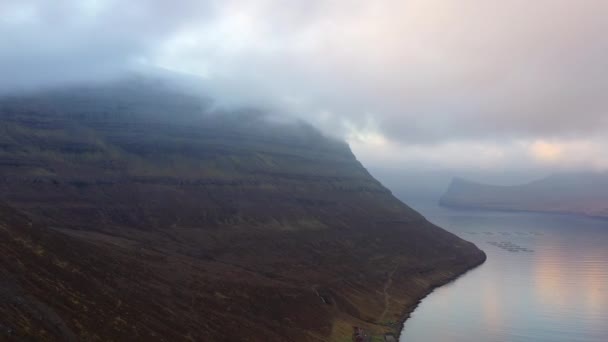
(574, 154)
(424, 76)
(544, 151)
(46, 42)
(424, 70)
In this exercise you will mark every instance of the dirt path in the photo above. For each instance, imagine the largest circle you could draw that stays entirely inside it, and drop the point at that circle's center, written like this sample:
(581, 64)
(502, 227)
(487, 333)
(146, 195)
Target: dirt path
(387, 296)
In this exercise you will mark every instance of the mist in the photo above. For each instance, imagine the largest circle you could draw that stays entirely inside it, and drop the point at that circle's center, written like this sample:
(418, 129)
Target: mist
(502, 91)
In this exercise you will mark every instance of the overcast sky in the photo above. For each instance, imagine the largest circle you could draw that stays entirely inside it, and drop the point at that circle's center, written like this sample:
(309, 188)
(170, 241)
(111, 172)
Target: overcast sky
(458, 84)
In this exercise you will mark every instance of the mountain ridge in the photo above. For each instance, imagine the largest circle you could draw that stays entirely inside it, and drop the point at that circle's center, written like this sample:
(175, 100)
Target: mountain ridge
(569, 193)
(236, 228)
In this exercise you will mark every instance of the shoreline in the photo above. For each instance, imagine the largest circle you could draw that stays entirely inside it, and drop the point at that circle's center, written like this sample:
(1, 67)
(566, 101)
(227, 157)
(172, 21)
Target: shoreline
(408, 311)
(463, 207)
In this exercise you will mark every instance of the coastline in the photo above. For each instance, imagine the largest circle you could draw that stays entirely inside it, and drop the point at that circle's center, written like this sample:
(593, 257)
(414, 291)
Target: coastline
(408, 311)
(465, 207)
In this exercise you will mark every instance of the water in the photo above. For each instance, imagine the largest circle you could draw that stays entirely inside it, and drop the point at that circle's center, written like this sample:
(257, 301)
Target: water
(546, 279)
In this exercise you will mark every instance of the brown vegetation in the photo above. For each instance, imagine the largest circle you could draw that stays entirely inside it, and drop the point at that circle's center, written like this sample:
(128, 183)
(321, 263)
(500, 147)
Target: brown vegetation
(121, 224)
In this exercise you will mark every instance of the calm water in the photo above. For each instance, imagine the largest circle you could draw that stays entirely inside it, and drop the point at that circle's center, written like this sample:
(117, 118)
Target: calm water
(546, 279)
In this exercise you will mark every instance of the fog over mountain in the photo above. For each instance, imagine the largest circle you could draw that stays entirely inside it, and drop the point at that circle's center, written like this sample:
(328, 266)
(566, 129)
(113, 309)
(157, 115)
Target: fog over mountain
(202, 225)
(465, 86)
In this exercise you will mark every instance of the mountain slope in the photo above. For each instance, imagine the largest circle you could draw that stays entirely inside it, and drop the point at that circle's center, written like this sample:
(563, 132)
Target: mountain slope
(135, 210)
(575, 193)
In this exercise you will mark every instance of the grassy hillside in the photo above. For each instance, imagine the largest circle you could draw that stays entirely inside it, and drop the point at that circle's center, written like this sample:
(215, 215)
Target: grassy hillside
(134, 211)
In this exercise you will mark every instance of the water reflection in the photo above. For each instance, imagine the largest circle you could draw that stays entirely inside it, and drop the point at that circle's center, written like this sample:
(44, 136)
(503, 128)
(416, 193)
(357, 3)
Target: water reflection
(549, 278)
(546, 279)
(491, 308)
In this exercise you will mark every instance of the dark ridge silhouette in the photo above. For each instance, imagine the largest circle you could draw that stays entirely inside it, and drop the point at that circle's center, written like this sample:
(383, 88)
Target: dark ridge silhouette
(568, 193)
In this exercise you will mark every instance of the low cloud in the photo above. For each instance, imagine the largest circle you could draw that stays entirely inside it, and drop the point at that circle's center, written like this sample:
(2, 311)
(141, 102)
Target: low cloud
(491, 81)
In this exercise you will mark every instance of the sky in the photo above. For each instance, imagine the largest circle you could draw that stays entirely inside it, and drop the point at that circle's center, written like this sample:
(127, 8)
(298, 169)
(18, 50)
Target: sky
(460, 85)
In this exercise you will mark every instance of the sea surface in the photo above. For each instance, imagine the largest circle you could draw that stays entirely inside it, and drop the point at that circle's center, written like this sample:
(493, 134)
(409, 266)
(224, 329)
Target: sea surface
(545, 279)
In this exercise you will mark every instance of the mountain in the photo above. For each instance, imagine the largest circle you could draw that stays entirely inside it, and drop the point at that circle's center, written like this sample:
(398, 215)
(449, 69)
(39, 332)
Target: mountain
(571, 193)
(136, 211)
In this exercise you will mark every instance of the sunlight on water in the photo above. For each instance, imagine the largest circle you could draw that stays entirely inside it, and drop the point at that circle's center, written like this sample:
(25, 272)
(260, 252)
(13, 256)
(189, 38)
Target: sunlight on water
(546, 279)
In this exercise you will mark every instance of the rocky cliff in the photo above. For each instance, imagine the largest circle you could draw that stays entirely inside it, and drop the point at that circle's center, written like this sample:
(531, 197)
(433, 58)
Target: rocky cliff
(134, 211)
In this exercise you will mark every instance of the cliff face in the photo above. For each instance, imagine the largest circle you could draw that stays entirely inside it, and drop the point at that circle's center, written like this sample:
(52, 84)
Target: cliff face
(576, 193)
(135, 210)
